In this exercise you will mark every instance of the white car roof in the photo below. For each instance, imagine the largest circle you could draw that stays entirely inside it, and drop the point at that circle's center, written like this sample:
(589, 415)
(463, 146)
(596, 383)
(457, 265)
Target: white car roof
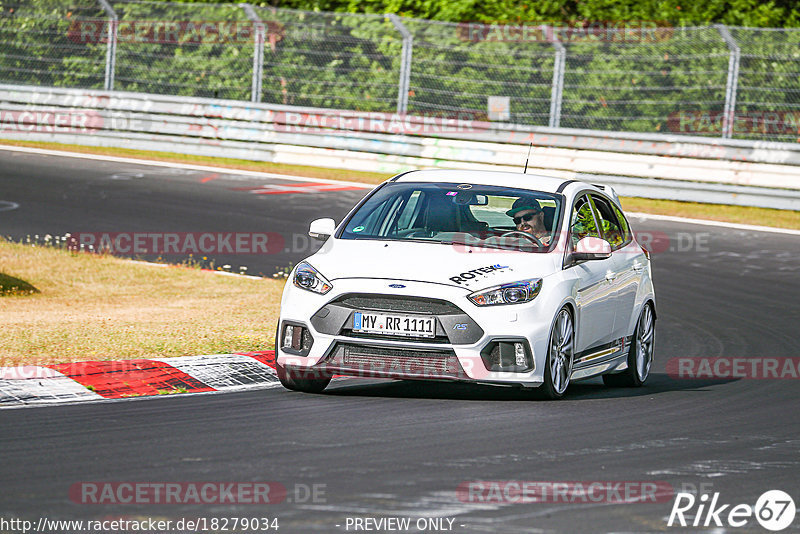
(536, 182)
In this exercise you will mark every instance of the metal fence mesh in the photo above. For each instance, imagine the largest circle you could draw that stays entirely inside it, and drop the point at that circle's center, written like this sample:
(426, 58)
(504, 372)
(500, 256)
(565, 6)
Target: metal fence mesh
(662, 80)
(39, 44)
(768, 98)
(456, 67)
(331, 60)
(643, 84)
(197, 55)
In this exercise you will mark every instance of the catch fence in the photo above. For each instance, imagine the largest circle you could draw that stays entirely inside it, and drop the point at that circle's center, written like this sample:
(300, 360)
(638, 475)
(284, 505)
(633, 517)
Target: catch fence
(645, 76)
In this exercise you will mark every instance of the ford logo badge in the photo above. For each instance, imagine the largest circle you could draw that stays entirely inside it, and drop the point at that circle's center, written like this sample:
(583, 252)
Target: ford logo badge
(397, 286)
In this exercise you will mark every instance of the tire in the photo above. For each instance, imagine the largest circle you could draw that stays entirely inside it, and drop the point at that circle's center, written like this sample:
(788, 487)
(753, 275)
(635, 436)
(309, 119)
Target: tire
(304, 381)
(640, 354)
(560, 356)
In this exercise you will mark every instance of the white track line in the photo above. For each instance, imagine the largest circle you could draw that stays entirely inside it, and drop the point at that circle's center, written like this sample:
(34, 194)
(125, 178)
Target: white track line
(722, 224)
(204, 168)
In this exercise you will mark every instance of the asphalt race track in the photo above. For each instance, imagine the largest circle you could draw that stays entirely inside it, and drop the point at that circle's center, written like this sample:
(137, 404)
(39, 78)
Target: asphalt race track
(69, 195)
(379, 449)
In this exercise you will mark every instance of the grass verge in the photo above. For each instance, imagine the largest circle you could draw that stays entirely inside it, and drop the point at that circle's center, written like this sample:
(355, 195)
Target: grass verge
(714, 212)
(92, 307)
(695, 210)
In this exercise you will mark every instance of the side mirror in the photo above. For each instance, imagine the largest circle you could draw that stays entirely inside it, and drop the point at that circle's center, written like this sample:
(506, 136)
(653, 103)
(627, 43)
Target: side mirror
(322, 229)
(591, 248)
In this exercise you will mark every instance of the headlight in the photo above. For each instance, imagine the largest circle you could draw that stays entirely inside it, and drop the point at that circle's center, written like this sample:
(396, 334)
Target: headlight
(307, 277)
(513, 293)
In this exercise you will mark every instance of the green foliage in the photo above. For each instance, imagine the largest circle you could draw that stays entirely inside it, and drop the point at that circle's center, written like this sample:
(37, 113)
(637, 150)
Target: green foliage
(756, 13)
(331, 60)
(330, 57)
(36, 46)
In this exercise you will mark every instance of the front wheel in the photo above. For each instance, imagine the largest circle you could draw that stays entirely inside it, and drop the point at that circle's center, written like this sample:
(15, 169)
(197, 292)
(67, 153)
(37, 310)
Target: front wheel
(640, 354)
(560, 351)
(305, 381)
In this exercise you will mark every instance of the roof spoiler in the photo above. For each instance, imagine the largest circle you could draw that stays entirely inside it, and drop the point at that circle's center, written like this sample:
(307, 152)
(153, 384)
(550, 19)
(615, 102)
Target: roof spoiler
(608, 190)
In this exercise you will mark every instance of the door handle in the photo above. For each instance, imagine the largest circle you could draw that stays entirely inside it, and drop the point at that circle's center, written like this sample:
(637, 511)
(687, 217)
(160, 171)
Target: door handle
(638, 266)
(610, 276)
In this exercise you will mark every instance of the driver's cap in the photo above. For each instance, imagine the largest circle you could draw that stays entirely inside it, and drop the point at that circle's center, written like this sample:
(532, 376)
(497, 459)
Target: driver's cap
(523, 204)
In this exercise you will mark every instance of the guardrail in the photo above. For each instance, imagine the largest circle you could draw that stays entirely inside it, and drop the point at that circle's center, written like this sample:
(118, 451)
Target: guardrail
(753, 173)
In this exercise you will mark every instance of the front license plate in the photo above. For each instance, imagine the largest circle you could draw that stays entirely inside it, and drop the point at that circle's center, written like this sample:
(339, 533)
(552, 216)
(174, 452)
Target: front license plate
(395, 325)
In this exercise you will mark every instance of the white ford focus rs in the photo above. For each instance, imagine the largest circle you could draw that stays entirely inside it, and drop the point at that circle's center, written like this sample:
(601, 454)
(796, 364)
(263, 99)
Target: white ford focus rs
(486, 277)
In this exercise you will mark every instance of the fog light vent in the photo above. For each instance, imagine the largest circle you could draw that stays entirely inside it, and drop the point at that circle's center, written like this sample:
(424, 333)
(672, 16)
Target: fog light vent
(296, 339)
(519, 354)
(512, 356)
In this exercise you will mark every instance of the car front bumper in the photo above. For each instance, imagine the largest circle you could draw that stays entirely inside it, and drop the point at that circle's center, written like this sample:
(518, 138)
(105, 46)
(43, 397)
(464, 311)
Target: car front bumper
(471, 344)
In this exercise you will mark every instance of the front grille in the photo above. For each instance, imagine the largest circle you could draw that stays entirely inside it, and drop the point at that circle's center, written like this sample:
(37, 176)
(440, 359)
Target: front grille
(453, 326)
(365, 360)
(424, 305)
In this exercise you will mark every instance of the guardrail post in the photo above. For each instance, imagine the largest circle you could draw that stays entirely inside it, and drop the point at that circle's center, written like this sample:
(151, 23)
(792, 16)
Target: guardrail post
(732, 84)
(111, 48)
(405, 63)
(258, 52)
(557, 90)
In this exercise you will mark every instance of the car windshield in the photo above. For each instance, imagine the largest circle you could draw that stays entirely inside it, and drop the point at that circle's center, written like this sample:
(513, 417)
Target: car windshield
(465, 214)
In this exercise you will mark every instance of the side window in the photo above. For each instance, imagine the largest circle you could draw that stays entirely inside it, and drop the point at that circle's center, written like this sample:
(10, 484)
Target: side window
(389, 225)
(365, 224)
(624, 227)
(608, 222)
(494, 212)
(407, 216)
(409, 211)
(582, 222)
(389, 218)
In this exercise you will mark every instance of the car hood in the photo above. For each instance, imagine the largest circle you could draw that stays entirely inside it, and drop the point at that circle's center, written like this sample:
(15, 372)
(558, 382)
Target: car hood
(453, 265)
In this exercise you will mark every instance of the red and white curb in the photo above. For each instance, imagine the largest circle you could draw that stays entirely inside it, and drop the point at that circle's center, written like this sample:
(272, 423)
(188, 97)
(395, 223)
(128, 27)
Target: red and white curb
(120, 379)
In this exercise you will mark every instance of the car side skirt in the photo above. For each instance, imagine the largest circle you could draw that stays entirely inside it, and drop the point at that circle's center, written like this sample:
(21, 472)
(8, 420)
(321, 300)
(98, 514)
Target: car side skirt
(602, 359)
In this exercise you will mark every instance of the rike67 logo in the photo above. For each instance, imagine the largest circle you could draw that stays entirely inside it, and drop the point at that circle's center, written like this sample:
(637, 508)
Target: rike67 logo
(774, 510)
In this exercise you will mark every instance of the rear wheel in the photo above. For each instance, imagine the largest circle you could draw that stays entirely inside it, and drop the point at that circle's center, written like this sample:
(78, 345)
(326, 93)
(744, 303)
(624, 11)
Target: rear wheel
(640, 354)
(560, 351)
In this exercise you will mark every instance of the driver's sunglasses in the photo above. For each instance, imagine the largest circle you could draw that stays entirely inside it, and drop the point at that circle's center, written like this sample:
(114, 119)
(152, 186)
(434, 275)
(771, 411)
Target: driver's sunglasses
(526, 218)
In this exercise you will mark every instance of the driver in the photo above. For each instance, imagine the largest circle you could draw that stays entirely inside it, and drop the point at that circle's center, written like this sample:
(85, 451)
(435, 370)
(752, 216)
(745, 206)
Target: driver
(529, 218)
